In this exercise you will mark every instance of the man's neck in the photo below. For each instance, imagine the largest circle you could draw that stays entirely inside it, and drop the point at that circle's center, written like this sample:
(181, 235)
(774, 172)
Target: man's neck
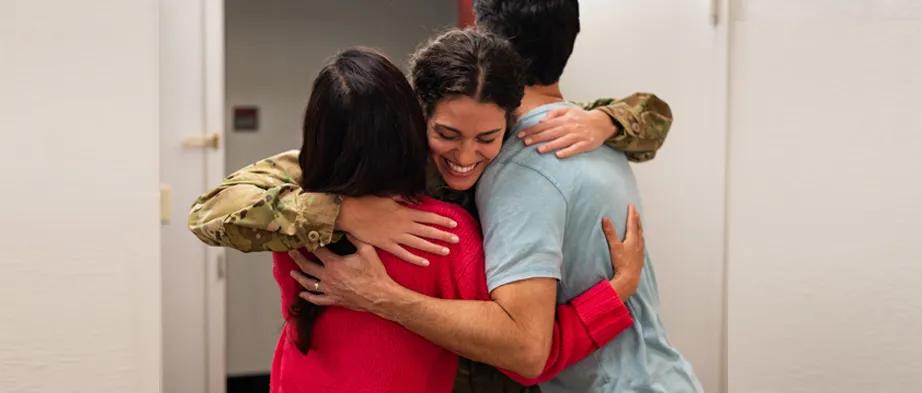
(538, 95)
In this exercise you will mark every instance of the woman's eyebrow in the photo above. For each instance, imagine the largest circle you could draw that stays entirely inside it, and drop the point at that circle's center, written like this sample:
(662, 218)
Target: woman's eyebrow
(440, 125)
(457, 131)
(487, 133)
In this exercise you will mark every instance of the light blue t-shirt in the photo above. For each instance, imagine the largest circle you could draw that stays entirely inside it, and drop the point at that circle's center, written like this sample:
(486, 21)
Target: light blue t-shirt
(541, 217)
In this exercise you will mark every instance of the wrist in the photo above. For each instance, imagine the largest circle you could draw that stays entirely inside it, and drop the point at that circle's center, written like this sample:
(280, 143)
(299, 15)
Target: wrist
(624, 285)
(343, 219)
(392, 301)
(605, 123)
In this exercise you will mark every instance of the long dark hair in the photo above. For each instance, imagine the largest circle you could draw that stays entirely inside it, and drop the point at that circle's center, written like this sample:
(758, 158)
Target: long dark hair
(468, 63)
(364, 134)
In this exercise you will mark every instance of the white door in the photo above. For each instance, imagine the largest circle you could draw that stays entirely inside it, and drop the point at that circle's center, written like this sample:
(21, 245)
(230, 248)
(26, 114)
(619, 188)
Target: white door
(79, 266)
(676, 50)
(191, 161)
(825, 198)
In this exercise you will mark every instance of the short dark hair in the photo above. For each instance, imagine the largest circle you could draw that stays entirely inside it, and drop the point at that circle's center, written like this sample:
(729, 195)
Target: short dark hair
(543, 32)
(468, 63)
(364, 134)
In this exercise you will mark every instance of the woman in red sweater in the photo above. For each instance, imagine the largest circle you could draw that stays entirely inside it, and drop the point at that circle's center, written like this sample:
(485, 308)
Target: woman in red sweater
(364, 134)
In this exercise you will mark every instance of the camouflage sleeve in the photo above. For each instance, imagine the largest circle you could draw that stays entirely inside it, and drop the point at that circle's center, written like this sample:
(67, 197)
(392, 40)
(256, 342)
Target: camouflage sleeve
(263, 208)
(643, 122)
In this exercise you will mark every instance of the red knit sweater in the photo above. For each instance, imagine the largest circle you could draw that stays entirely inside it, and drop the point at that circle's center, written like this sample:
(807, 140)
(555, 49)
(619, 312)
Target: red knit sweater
(360, 352)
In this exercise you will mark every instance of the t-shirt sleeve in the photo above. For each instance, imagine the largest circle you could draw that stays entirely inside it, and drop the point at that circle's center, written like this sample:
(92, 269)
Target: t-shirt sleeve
(523, 216)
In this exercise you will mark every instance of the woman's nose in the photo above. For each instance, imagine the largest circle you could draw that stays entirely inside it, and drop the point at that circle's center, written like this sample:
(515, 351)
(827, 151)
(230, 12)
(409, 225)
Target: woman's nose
(467, 154)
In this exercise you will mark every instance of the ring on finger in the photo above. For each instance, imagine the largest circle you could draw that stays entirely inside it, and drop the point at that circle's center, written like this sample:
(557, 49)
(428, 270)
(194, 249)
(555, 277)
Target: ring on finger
(316, 286)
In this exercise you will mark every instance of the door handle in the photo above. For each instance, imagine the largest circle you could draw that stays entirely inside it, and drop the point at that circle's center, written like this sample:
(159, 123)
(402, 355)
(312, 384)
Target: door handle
(714, 12)
(211, 140)
(222, 267)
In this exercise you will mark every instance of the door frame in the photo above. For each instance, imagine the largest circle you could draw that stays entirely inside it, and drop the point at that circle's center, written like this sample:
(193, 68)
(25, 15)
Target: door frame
(215, 282)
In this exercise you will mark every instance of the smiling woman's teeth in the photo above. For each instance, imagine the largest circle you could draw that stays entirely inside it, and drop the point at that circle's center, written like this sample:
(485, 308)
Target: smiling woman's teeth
(460, 169)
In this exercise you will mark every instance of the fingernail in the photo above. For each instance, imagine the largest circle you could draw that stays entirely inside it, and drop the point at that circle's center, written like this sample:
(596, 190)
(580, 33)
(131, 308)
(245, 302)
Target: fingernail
(521, 134)
(293, 274)
(424, 262)
(453, 224)
(528, 141)
(455, 239)
(444, 250)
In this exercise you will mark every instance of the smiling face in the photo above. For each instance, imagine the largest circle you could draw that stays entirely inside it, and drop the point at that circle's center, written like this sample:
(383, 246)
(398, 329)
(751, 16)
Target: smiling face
(464, 136)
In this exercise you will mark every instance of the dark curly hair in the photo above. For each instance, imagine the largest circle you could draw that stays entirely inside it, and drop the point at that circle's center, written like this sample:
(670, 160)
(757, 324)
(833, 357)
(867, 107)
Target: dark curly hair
(468, 63)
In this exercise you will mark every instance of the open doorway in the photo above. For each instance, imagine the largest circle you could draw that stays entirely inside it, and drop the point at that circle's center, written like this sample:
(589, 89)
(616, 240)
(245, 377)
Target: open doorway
(273, 50)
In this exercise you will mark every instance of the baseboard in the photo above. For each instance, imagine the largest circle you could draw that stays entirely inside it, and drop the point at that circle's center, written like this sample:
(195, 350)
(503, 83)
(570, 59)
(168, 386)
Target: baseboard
(256, 383)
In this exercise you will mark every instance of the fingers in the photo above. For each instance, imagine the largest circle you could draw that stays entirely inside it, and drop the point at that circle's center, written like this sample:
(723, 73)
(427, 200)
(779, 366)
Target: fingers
(323, 254)
(559, 143)
(406, 256)
(306, 282)
(634, 231)
(310, 267)
(556, 113)
(434, 219)
(611, 233)
(320, 300)
(535, 129)
(545, 123)
(429, 232)
(615, 247)
(573, 150)
(422, 245)
(548, 135)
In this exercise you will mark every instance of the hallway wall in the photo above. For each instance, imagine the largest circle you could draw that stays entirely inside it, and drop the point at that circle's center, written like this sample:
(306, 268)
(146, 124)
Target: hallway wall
(274, 50)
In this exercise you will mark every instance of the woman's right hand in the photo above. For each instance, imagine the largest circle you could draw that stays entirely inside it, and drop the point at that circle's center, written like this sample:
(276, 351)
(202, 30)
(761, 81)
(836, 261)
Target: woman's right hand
(390, 226)
(627, 257)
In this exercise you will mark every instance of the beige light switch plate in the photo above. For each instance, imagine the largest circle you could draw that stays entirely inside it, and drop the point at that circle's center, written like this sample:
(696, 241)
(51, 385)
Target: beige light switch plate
(166, 203)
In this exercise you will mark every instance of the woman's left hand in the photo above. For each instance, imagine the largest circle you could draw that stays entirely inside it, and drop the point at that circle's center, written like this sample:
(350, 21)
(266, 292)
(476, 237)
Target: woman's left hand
(356, 281)
(628, 256)
(570, 131)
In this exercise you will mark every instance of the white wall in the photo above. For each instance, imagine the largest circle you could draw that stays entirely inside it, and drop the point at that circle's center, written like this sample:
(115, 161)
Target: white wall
(191, 104)
(274, 50)
(825, 200)
(671, 49)
(80, 271)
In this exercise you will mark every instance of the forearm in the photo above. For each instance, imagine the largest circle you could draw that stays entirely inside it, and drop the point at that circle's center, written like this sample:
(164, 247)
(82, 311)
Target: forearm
(475, 329)
(485, 332)
(582, 326)
(643, 121)
(262, 207)
(266, 220)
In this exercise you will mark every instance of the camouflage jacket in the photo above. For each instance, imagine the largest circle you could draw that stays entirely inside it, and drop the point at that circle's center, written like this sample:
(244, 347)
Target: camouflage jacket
(263, 208)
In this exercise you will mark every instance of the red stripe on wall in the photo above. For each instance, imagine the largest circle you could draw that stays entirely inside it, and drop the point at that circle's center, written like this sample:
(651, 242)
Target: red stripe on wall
(465, 13)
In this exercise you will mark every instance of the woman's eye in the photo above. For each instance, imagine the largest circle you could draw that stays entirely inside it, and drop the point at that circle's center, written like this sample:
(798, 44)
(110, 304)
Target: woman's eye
(446, 137)
(486, 140)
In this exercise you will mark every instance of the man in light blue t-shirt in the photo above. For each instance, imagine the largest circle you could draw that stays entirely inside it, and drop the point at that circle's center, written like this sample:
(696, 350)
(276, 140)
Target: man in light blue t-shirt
(535, 210)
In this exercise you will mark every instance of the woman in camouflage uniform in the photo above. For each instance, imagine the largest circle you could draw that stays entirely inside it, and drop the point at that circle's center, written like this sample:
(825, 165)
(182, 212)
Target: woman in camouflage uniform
(263, 208)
